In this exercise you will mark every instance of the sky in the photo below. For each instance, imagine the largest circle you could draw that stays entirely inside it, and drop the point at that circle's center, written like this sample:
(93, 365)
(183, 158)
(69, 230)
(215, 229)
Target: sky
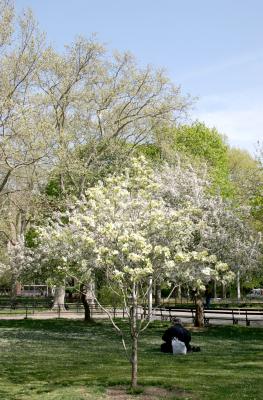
(213, 49)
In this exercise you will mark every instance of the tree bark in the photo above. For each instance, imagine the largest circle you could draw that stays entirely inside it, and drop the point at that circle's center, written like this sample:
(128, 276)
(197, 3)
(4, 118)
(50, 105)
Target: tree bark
(134, 335)
(223, 291)
(134, 361)
(158, 295)
(16, 290)
(150, 297)
(17, 229)
(199, 311)
(179, 294)
(238, 286)
(85, 301)
(215, 292)
(59, 298)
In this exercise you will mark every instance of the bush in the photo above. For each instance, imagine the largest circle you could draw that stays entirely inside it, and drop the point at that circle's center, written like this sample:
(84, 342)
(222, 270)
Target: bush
(110, 296)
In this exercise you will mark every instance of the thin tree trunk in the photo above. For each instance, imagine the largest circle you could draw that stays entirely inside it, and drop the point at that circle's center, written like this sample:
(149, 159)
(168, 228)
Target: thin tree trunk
(238, 286)
(215, 293)
(84, 298)
(17, 229)
(158, 295)
(199, 311)
(223, 291)
(134, 335)
(150, 297)
(179, 294)
(134, 360)
(16, 290)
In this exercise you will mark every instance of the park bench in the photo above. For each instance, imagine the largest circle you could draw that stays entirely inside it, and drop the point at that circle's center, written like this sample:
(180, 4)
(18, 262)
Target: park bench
(235, 315)
(167, 314)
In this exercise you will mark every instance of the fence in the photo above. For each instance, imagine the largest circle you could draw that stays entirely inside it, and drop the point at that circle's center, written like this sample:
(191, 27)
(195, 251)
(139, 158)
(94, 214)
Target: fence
(76, 310)
(67, 310)
(234, 315)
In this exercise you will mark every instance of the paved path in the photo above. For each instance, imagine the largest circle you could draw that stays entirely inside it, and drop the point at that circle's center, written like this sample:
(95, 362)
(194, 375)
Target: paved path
(186, 316)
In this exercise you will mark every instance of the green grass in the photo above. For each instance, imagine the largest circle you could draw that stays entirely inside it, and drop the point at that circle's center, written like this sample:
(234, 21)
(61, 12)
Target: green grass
(71, 360)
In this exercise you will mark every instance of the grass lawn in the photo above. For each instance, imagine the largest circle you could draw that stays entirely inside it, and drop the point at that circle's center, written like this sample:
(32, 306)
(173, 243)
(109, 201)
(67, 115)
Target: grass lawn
(71, 360)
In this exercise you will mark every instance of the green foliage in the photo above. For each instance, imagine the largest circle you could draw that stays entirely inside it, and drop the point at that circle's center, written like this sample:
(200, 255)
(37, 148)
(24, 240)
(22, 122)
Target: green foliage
(205, 144)
(150, 151)
(165, 290)
(6, 280)
(73, 289)
(53, 188)
(31, 237)
(254, 281)
(247, 179)
(111, 156)
(111, 296)
(257, 210)
(201, 144)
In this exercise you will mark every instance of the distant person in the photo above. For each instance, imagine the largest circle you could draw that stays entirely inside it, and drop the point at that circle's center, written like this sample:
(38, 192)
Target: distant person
(179, 332)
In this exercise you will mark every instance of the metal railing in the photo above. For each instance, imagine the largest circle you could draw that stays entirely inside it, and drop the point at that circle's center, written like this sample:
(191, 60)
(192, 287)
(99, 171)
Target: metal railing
(61, 310)
(76, 310)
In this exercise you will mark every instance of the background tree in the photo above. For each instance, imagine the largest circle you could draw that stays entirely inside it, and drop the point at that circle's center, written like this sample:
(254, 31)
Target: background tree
(224, 229)
(246, 174)
(72, 114)
(202, 145)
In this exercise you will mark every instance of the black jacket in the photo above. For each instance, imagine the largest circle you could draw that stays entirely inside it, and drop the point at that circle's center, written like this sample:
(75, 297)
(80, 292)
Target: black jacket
(179, 332)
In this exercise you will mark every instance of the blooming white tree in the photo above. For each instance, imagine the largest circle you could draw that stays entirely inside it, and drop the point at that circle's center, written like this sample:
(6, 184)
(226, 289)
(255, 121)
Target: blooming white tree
(223, 228)
(124, 227)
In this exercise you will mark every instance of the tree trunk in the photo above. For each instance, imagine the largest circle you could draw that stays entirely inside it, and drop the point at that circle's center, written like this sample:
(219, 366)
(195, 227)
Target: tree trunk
(179, 294)
(85, 291)
(59, 298)
(150, 298)
(223, 291)
(16, 290)
(158, 295)
(134, 335)
(17, 228)
(199, 311)
(134, 361)
(215, 293)
(238, 286)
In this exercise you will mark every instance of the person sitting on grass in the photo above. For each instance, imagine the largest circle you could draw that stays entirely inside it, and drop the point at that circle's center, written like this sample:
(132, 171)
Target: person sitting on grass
(179, 332)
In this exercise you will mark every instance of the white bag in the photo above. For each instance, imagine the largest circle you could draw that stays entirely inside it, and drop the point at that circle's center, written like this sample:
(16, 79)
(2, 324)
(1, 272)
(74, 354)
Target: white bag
(178, 347)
